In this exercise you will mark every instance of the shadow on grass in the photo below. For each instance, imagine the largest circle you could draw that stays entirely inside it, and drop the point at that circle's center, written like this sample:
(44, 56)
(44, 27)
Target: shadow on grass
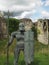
(22, 62)
(36, 62)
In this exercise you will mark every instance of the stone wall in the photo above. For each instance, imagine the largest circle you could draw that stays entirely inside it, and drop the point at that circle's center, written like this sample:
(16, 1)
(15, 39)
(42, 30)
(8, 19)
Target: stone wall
(28, 23)
(3, 28)
(42, 29)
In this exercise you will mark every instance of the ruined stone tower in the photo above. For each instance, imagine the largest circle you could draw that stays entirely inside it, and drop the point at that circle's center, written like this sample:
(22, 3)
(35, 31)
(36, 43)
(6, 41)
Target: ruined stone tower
(43, 31)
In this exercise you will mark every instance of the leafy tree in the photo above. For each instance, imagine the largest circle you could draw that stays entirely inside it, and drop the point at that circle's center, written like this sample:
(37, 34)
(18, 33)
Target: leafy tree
(34, 29)
(13, 25)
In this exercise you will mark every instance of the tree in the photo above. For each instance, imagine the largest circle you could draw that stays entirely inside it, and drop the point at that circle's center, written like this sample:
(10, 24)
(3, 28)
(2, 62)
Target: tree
(13, 25)
(34, 29)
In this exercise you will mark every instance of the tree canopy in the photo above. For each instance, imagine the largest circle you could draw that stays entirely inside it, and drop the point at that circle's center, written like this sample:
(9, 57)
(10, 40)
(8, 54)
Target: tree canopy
(13, 24)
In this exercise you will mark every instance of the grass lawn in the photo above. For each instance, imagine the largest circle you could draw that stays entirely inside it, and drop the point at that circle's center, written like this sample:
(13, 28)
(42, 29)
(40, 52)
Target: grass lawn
(39, 59)
(41, 55)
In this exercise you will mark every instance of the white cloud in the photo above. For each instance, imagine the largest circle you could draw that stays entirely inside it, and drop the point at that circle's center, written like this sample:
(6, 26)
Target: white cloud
(32, 4)
(40, 3)
(20, 4)
(45, 14)
(22, 8)
(26, 14)
(47, 3)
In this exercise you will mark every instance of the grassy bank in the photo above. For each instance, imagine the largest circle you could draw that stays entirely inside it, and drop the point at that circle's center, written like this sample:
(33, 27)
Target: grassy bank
(41, 54)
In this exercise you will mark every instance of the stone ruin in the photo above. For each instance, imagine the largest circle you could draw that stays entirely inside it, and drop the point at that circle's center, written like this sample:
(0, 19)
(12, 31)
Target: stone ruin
(43, 31)
(3, 28)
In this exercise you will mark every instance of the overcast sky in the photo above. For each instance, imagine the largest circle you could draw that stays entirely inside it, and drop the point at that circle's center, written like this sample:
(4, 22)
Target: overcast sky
(33, 9)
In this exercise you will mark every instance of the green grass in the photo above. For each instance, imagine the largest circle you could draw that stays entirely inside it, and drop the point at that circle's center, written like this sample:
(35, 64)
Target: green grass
(3, 44)
(39, 59)
(41, 54)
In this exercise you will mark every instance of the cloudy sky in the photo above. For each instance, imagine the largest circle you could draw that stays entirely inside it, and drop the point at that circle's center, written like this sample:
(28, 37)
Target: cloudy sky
(33, 9)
